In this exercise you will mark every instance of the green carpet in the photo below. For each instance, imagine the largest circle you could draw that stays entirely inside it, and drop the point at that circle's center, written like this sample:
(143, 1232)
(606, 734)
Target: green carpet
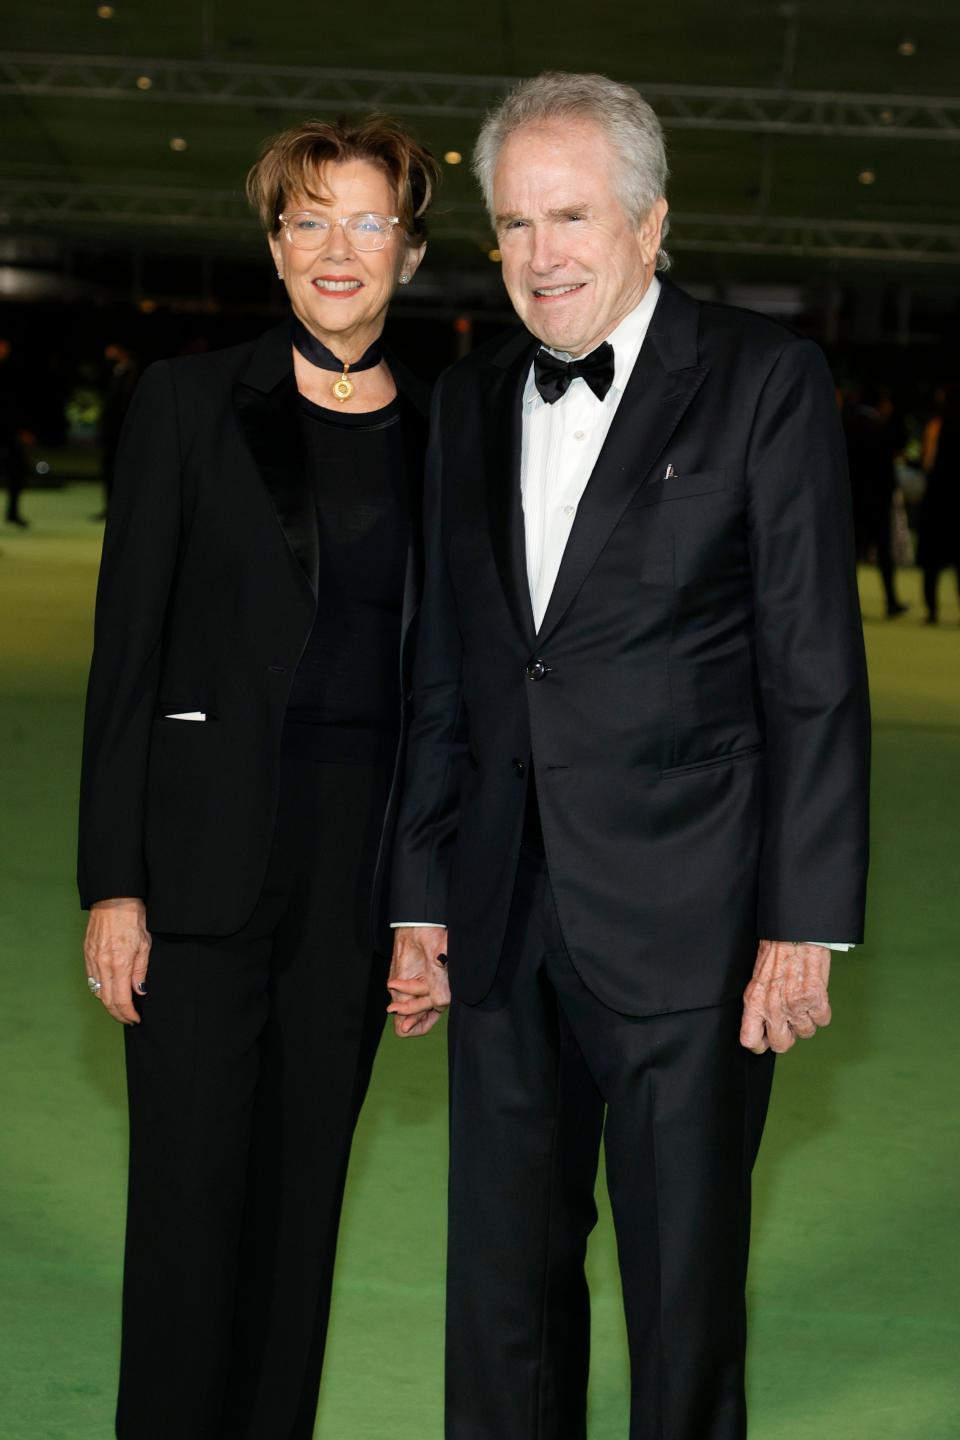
(855, 1326)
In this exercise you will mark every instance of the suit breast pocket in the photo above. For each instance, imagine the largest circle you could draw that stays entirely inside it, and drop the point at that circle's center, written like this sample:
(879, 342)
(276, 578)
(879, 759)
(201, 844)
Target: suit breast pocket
(700, 517)
(679, 487)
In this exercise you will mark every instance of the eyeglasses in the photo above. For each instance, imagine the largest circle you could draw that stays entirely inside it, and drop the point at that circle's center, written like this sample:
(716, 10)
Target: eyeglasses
(308, 231)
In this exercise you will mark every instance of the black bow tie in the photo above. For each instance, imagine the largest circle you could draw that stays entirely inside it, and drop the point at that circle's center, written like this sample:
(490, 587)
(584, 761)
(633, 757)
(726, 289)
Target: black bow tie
(553, 376)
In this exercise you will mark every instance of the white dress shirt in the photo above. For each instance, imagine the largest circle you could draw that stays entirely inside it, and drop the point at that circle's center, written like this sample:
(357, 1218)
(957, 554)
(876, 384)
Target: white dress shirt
(561, 443)
(560, 446)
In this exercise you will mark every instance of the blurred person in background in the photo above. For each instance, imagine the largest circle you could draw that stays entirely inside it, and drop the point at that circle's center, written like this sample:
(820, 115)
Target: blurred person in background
(939, 532)
(254, 623)
(875, 436)
(13, 435)
(121, 373)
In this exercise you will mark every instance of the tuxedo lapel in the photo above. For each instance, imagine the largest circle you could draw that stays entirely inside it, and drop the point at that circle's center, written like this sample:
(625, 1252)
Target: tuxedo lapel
(266, 405)
(663, 382)
(502, 400)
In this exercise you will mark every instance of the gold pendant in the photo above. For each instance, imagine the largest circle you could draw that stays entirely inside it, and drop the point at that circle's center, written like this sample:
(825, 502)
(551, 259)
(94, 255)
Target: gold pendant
(343, 388)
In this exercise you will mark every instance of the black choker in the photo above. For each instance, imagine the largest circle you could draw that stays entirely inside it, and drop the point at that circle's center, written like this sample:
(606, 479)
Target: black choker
(317, 353)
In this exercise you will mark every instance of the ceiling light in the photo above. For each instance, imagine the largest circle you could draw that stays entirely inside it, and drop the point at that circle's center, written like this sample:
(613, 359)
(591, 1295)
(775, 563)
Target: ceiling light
(494, 255)
(453, 157)
(907, 47)
(146, 307)
(144, 82)
(178, 143)
(867, 177)
(105, 12)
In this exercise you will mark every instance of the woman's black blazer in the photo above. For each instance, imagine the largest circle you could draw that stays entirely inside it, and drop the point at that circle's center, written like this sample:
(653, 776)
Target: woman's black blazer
(206, 599)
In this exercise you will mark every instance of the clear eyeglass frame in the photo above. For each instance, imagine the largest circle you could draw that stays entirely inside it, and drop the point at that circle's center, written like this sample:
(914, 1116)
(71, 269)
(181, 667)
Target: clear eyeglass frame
(366, 230)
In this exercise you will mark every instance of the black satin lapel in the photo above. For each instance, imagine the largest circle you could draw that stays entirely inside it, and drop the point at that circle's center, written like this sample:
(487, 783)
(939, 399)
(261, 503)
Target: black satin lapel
(503, 429)
(271, 422)
(651, 409)
(415, 430)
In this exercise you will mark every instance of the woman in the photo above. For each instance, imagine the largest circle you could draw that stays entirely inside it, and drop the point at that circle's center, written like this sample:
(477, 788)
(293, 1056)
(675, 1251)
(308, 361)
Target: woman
(254, 612)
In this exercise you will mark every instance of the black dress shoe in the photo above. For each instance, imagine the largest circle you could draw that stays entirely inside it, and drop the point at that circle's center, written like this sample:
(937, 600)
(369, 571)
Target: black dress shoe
(894, 611)
(19, 521)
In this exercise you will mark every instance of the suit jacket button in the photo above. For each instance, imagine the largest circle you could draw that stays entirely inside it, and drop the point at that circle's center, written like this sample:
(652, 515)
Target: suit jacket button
(519, 768)
(536, 670)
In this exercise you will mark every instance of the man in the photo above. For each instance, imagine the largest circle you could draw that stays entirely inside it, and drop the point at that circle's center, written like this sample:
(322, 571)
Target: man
(637, 767)
(875, 435)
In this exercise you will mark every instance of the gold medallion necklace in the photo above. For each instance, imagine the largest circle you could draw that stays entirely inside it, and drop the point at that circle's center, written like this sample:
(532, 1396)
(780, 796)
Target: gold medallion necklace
(343, 388)
(318, 354)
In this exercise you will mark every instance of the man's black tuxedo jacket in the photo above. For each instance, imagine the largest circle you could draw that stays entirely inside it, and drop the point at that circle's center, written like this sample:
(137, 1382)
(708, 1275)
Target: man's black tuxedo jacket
(207, 595)
(698, 721)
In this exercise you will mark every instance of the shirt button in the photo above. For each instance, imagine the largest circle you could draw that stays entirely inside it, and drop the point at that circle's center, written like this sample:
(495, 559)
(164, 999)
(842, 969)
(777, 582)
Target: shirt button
(569, 509)
(578, 434)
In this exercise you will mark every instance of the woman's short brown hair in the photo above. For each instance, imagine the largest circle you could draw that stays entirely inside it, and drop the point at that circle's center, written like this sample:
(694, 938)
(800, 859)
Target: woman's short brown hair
(292, 164)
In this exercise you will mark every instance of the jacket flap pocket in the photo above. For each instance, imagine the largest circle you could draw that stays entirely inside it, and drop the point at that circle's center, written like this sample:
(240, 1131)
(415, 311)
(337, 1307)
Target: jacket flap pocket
(679, 487)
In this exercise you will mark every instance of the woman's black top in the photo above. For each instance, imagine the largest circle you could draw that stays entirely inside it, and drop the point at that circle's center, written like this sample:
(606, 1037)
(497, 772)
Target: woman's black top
(345, 700)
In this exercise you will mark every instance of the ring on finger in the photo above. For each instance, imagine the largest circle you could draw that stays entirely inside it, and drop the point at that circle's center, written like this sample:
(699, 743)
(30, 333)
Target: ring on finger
(94, 985)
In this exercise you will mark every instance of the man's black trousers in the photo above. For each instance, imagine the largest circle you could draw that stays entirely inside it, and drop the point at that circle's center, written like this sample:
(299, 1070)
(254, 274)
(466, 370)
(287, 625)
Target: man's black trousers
(246, 1077)
(540, 1069)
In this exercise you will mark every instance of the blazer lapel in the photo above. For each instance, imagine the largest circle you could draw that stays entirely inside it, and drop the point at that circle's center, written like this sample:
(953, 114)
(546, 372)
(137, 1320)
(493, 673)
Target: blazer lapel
(503, 431)
(266, 403)
(663, 382)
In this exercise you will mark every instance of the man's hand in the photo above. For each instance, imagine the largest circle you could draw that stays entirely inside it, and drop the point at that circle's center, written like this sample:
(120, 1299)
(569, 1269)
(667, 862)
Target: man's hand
(787, 996)
(418, 982)
(117, 952)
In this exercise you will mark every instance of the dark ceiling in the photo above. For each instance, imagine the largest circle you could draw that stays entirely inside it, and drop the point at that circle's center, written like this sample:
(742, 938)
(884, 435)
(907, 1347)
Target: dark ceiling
(767, 178)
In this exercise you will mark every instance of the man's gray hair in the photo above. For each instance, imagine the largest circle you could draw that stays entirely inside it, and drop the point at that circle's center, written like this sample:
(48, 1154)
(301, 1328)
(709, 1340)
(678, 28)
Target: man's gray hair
(629, 123)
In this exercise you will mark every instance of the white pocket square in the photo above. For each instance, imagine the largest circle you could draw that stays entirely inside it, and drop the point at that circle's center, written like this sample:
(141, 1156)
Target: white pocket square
(187, 715)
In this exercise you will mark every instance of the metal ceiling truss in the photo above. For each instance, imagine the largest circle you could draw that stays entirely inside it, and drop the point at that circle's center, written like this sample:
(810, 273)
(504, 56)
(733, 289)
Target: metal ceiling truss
(56, 206)
(809, 238)
(307, 87)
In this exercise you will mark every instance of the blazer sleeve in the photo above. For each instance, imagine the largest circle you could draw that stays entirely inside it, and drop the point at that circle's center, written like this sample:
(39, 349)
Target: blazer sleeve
(810, 658)
(136, 573)
(436, 752)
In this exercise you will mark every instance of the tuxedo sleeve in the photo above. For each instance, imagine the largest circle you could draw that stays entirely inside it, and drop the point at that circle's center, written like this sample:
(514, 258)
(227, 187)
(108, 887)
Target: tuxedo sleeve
(136, 573)
(437, 734)
(809, 657)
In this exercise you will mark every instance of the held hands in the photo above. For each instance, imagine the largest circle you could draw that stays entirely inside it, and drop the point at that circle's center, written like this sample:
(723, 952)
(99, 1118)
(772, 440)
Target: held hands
(418, 982)
(787, 997)
(117, 952)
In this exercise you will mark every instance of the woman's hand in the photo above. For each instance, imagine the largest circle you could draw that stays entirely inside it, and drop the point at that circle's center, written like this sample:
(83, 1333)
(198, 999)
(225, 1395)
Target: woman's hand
(117, 952)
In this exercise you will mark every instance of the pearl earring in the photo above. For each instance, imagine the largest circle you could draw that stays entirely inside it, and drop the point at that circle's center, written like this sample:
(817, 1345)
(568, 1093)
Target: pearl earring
(404, 279)
(279, 274)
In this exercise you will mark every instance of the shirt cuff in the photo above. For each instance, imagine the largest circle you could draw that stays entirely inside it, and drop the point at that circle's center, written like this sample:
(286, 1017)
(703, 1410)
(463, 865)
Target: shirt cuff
(422, 924)
(830, 944)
